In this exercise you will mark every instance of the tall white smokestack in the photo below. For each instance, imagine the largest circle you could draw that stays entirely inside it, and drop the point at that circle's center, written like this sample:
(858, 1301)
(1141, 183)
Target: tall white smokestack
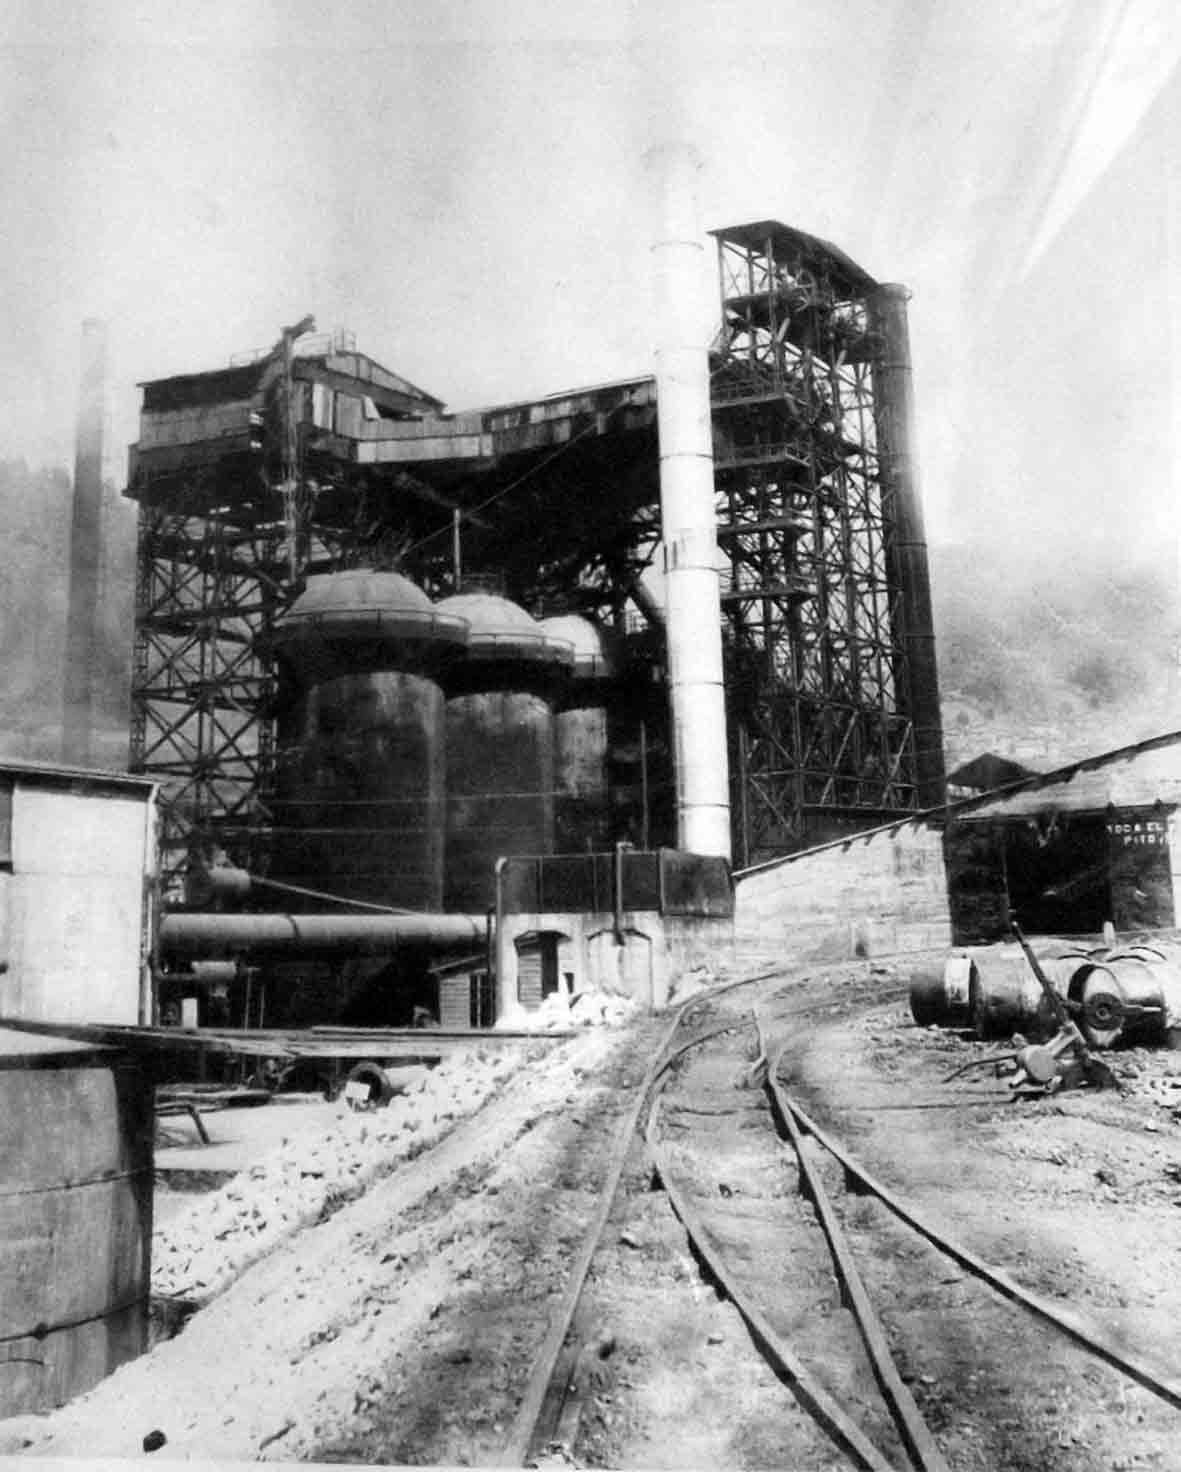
(692, 593)
(85, 548)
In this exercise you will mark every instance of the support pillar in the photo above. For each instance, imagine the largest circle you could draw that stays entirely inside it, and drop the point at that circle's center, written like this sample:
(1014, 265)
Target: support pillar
(692, 591)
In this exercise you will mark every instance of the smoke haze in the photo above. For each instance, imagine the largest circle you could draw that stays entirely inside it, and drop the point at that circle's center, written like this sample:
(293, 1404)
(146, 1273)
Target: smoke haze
(463, 186)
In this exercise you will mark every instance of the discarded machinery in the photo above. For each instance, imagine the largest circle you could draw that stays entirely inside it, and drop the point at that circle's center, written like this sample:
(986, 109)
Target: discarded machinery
(1064, 1062)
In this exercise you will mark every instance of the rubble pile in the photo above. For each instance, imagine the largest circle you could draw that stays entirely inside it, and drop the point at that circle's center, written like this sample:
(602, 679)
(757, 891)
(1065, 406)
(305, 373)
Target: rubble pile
(558, 1012)
(601, 1009)
(199, 1253)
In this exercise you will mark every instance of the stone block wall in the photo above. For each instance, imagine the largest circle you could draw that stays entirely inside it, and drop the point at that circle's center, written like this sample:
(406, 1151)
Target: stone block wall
(877, 894)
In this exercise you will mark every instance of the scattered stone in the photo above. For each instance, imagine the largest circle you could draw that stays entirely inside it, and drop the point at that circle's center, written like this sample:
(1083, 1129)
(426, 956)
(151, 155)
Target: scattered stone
(200, 1252)
(716, 1338)
(629, 1239)
(154, 1440)
(276, 1435)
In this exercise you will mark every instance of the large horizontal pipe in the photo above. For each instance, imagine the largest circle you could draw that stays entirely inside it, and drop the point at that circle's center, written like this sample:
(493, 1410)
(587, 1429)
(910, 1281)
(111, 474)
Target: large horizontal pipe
(214, 934)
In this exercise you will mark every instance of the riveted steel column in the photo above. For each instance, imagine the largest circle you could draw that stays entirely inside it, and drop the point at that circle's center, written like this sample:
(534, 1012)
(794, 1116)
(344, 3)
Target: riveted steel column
(915, 631)
(692, 593)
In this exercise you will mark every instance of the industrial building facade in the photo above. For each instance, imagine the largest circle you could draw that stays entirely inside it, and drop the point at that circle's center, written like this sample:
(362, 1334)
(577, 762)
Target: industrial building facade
(313, 460)
(1065, 853)
(1062, 854)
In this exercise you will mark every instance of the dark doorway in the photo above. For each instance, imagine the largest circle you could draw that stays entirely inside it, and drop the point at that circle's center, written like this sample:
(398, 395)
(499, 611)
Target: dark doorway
(1059, 874)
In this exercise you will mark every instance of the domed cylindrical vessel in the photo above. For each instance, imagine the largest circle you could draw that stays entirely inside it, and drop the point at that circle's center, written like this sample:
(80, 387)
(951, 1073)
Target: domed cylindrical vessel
(361, 770)
(76, 1133)
(500, 744)
(582, 796)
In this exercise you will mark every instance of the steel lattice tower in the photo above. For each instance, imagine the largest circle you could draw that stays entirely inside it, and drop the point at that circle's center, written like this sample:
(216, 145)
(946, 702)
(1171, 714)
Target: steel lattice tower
(313, 457)
(241, 480)
(833, 699)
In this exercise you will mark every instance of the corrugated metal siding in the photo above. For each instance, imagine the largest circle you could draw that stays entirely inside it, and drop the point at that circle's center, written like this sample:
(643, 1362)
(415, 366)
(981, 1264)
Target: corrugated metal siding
(322, 398)
(188, 426)
(347, 418)
(529, 978)
(75, 900)
(455, 1000)
(461, 447)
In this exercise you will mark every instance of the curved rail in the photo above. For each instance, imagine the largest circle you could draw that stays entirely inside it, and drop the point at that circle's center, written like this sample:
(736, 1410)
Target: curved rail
(810, 1393)
(914, 1431)
(1153, 1379)
(524, 1433)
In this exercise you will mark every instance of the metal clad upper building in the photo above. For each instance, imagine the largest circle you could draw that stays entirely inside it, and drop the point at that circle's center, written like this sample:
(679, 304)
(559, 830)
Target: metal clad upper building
(313, 458)
(77, 860)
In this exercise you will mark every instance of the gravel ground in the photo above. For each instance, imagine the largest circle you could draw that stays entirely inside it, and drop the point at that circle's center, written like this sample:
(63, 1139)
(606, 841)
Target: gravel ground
(332, 1290)
(376, 1292)
(198, 1252)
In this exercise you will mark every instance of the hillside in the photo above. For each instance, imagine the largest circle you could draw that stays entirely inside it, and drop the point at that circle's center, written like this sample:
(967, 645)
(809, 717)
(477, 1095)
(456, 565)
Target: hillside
(1043, 662)
(1052, 660)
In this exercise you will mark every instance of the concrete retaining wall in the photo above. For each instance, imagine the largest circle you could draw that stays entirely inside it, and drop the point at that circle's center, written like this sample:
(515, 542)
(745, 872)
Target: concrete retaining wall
(877, 894)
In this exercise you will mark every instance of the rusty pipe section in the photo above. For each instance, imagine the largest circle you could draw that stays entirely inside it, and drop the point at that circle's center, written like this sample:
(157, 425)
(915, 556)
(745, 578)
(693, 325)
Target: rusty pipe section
(210, 934)
(687, 515)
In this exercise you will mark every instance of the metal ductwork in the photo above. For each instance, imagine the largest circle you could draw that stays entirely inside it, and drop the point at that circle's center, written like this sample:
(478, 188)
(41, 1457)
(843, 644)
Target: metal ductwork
(85, 549)
(189, 934)
(692, 591)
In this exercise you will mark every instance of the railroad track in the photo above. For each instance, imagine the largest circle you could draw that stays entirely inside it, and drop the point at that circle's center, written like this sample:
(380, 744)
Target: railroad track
(715, 1118)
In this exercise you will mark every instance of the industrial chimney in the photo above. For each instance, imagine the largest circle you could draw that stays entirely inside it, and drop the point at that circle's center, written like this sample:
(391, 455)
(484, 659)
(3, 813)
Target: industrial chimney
(692, 592)
(914, 619)
(85, 548)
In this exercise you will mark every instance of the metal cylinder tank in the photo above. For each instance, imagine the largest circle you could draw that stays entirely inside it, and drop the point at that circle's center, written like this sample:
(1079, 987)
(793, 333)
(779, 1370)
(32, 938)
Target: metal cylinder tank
(1005, 995)
(360, 774)
(1134, 997)
(582, 797)
(76, 1135)
(500, 743)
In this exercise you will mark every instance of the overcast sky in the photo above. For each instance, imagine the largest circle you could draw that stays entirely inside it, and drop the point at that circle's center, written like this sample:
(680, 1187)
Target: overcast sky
(462, 185)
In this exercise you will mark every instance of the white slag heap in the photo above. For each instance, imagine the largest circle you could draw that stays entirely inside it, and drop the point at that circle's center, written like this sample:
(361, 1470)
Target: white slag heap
(199, 1253)
(558, 1012)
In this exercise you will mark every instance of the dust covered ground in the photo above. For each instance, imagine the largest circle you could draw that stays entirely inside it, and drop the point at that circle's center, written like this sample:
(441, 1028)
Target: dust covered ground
(378, 1292)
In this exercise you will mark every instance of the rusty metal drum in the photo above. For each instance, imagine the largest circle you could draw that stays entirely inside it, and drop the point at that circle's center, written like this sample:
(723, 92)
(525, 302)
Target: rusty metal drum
(76, 1151)
(1005, 995)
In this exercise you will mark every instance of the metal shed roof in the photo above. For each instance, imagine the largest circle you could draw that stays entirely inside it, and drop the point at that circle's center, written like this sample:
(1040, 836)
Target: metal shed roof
(1132, 776)
(50, 774)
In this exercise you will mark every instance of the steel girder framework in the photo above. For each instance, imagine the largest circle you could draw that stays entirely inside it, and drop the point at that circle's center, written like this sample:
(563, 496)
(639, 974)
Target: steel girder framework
(222, 552)
(822, 729)
(207, 587)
